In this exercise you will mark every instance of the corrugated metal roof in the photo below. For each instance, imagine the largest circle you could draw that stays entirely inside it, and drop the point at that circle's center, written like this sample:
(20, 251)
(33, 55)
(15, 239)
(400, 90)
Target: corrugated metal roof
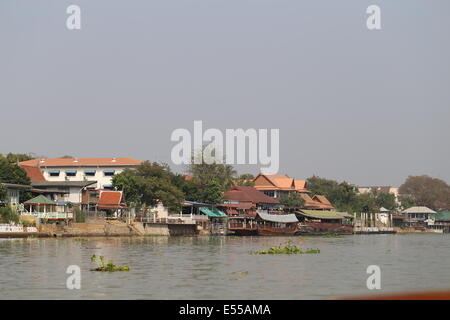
(320, 214)
(419, 210)
(283, 218)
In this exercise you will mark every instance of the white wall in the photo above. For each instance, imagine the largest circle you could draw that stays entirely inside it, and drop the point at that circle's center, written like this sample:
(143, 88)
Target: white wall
(99, 176)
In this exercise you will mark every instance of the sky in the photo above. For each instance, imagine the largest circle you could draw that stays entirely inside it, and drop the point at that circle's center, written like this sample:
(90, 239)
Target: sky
(368, 107)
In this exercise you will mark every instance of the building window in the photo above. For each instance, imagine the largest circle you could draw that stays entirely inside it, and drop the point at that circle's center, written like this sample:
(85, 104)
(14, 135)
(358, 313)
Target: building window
(108, 173)
(71, 173)
(89, 173)
(53, 173)
(270, 193)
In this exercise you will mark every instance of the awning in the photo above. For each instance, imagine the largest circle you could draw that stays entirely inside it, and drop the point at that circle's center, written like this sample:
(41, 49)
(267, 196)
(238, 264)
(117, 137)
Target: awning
(53, 171)
(212, 213)
(321, 214)
(89, 171)
(71, 171)
(109, 171)
(282, 218)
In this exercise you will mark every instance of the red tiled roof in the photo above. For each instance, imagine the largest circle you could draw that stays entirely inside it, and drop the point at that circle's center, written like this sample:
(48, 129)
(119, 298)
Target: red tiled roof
(71, 162)
(248, 194)
(34, 173)
(111, 200)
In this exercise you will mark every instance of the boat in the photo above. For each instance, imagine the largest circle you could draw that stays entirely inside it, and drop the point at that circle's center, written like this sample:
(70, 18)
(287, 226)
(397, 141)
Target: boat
(242, 226)
(276, 224)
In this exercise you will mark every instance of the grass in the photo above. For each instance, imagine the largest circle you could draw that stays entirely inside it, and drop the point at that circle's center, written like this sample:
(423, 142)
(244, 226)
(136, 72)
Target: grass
(289, 248)
(108, 267)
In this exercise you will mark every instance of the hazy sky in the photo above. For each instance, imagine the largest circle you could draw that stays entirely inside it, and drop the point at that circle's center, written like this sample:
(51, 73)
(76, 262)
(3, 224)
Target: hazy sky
(369, 107)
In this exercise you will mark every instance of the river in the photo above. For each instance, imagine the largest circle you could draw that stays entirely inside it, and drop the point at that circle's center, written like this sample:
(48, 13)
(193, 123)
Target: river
(222, 268)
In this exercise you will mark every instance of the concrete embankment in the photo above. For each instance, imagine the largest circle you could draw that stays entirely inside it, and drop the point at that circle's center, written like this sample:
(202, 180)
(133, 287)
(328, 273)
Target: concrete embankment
(105, 228)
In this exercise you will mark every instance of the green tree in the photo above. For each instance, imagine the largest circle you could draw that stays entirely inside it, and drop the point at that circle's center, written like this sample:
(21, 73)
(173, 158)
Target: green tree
(427, 191)
(7, 214)
(292, 200)
(407, 202)
(386, 200)
(245, 179)
(147, 184)
(10, 172)
(364, 202)
(3, 193)
(341, 195)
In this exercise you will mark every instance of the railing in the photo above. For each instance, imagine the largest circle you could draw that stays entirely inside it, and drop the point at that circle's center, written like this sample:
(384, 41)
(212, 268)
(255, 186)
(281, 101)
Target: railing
(169, 220)
(242, 225)
(52, 215)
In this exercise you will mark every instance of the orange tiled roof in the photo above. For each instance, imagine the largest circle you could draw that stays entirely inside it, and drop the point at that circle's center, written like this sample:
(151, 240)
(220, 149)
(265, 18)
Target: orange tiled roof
(279, 182)
(70, 162)
(111, 200)
(34, 173)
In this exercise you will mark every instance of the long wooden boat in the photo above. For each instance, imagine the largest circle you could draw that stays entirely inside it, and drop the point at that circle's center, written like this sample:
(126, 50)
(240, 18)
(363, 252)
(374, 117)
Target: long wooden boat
(318, 228)
(276, 224)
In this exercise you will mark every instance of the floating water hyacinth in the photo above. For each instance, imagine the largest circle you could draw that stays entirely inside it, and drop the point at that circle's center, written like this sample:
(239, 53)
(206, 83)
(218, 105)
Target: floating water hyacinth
(289, 248)
(108, 267)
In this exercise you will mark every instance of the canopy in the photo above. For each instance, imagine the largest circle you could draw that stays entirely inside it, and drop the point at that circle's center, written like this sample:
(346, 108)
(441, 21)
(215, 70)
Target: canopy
(212, 213)
(320, 214)
(283, 218)
(40, 199)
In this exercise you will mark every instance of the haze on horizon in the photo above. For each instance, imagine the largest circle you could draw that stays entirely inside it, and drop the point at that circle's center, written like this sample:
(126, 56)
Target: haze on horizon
(369, 107)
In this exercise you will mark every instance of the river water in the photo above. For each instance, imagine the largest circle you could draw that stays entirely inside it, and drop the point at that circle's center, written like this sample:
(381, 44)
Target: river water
(222, 268)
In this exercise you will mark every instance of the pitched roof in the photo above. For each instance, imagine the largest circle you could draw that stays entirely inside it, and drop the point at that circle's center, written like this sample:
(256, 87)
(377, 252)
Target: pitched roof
(419, 210)
(279, 182)
(34, 173)
(40, 199)
(111, 200)
(284, 218)
(77, 184)
(76, 162)
(442, 215)
(249, 194)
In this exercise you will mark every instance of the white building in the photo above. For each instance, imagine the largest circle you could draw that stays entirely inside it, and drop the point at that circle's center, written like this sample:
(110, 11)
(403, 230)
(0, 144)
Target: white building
(101, 170)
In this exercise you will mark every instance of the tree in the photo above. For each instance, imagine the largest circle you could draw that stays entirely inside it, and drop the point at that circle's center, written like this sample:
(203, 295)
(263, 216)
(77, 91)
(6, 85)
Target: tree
(407, 202)
(12, 173)
(245, 179)
(341, 195)
(17, 157)
(427, 191)
(292, 200)
(7, 215)
(3, 193)
(147, 184)
(209, 178)
(365, 202)
(385, 200)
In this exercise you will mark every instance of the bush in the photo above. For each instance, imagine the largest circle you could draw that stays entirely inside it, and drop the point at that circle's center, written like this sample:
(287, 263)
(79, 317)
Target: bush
(79, 215)
(7, 214)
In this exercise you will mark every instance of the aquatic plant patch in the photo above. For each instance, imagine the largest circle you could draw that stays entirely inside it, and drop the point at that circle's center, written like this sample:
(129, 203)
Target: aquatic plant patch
(109, 266)
(289, 248)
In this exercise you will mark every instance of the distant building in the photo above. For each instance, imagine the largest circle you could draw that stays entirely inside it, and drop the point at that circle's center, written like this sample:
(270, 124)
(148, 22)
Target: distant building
(75, 180)
(13, 193)
(100, 170)
(382, 189)
(245, 200)
(419, 217)
(279, 186)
